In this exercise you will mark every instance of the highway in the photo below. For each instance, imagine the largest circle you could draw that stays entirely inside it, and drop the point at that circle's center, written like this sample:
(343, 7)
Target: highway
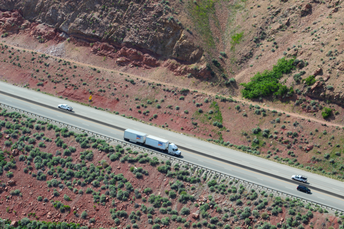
(245, 166)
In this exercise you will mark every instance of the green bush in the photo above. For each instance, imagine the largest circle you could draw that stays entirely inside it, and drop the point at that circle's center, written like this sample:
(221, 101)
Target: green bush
(267, 83)
(236, 38)
(326, 112)
(310, 80)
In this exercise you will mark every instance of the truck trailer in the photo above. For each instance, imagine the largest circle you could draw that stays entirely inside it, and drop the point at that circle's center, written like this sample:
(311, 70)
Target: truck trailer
(134, 136)
(152, 141)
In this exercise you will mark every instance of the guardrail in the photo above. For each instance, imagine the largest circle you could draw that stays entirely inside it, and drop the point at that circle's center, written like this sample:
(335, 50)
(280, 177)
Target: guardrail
(211, 173)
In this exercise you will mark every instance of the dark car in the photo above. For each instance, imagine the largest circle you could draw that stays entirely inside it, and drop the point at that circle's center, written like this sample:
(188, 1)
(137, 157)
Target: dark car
(303, 189)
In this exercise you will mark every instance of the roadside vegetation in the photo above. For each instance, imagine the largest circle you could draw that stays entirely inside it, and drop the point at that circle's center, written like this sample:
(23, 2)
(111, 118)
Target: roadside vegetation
(108, 177)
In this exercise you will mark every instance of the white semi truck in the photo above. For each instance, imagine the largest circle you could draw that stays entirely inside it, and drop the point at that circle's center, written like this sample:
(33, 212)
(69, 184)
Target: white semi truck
(152, 141)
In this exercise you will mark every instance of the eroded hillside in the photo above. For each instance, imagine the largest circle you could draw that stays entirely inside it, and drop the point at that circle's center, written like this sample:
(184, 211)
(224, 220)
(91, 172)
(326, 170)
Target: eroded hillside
(143, 25)
(216, 41)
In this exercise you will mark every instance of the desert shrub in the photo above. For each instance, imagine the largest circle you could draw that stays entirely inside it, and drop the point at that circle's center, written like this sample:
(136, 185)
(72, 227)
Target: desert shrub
(164, 168)
(163, 210)
(66, 197)
(238, 202)
(9, 174)
(218, 124)
(256, 130)
(89, 190)
(8, 143)
(128, 186)
(15, 192)
(172, 194)
(147, 190)
(216, 63)
(256, 213)
(185, 211)
(265, 215)
(297, 77)
(156, 226)
(102, 198)
(214, 220)
(24, 221)
(291, 212)
(212, 183)
(310, 80)
(84, 215)
(114, 157)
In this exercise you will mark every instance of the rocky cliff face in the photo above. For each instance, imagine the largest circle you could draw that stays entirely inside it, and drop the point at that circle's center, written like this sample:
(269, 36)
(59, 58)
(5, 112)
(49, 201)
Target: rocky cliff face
(144, 25)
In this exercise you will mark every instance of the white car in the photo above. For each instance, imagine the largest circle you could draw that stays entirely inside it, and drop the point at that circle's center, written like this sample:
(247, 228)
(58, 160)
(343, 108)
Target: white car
(300, 178)
(65, 107)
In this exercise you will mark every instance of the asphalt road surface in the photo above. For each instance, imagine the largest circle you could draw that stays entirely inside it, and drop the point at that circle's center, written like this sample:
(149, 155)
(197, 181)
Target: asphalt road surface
(245, 166)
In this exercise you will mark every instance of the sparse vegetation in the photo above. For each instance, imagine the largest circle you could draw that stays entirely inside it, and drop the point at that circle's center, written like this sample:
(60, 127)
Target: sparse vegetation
(110, 186)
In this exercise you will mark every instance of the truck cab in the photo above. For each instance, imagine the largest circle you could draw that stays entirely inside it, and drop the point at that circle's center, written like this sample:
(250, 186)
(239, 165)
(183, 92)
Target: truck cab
(173, 150)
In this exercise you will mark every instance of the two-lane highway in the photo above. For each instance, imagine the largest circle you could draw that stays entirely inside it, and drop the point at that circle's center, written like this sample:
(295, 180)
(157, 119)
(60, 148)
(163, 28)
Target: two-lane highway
(244, 166)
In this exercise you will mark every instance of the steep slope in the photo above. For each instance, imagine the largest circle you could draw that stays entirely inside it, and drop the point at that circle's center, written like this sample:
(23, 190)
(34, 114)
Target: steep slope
(143, 25)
